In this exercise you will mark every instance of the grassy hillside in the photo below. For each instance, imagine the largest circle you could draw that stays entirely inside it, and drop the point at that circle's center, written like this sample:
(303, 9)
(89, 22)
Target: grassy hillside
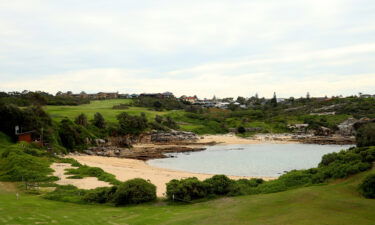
(336, 203)
(104, 107)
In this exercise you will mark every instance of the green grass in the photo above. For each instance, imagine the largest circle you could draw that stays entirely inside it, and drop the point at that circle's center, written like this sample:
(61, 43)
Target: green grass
(102, 106)
(337, 203)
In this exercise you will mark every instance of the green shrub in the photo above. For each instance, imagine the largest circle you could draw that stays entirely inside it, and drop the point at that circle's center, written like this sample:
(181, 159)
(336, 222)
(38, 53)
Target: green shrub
(100, 195)
(367, 187)
(66, 193)
(133, 192)
(219, 185)
(365, 135)
(186, 189)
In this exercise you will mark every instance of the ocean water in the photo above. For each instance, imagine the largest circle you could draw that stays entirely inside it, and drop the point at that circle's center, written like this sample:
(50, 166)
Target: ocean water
(263, 160)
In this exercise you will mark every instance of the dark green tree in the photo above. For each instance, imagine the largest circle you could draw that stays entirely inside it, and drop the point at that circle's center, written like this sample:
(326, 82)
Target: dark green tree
(99, 121)
(81, 119)
(274, 100)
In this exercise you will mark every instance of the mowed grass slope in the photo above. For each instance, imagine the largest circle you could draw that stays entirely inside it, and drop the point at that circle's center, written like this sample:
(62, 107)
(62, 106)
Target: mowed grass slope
(337, 203)
(102, 106)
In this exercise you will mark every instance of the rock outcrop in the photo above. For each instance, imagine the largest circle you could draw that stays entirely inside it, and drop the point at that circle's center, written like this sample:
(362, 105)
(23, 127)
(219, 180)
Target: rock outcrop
(173, 136)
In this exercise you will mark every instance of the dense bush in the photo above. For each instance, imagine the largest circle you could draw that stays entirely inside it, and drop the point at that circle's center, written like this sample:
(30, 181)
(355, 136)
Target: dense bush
(28, 119)
(67, 193)
(365, 135)
(367, 187)
(27, 98)
(73, 136)
(133, 192)
(219, 185)
(186, 189)
(100, 195)
(129, 124)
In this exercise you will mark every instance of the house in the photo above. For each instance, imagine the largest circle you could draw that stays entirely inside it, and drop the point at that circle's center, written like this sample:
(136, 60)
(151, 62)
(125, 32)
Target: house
(100, 95)
(191, 99)
(366, 96)
(106, 95)
(158, 95)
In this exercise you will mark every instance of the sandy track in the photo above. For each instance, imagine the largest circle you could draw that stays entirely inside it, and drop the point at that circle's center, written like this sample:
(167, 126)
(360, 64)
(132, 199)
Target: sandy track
(85, 183)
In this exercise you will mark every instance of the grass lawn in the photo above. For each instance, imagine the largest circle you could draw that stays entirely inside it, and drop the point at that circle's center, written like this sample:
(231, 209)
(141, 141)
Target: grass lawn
(103, 106)
(337, 203)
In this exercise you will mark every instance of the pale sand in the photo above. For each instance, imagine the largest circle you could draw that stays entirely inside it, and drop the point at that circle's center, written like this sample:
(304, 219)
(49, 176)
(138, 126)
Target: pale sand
(231, 139)
(85, 183)
(227, 139)
(125, 169)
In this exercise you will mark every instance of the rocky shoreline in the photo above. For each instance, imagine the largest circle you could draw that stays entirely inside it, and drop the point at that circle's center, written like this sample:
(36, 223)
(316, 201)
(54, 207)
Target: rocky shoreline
(308, 139)
(157, 144)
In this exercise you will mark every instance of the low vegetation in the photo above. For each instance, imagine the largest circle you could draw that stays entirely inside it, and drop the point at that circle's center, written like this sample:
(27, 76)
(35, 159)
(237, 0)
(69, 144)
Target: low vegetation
(25, 162)
(332, 166)
(87, 171)
(367, 187)
(133, 191)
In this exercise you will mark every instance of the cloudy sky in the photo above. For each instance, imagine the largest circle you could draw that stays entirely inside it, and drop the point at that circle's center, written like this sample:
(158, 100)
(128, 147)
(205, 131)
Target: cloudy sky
(221, 47)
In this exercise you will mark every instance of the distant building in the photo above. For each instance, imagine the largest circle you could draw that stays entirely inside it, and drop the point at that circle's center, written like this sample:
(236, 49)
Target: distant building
(25, 136)
(158, 95)
(192, 99)
(366, 96)
(100, 95)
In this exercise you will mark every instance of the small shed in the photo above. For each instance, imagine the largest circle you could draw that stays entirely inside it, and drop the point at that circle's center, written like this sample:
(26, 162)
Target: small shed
(25, 136)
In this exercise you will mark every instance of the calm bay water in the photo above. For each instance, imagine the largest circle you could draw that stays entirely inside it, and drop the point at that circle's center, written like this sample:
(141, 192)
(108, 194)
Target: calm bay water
(266, 160)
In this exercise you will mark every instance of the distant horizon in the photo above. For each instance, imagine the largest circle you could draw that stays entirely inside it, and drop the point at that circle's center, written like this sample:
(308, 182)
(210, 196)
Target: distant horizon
(214, 47)
(220, 97)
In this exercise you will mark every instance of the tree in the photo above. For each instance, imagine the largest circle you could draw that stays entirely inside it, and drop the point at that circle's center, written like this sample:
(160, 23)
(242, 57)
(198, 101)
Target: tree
(81, 119)
(99, 121)
(69, 135)
(158, 119)
(241, 100)
(131, 124)
(308, 96)
(169, 122)
(157, 105)
(274, 100)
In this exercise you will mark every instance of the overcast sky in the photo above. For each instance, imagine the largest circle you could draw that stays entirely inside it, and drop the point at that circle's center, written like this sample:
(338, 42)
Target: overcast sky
(218, 47)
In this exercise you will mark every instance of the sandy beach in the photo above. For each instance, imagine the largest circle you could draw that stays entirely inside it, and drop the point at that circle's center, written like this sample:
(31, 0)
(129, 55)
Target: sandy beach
(125, 169)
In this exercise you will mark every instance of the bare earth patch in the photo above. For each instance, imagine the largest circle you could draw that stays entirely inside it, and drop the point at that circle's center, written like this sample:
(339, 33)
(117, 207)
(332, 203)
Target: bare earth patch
(85, 183)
